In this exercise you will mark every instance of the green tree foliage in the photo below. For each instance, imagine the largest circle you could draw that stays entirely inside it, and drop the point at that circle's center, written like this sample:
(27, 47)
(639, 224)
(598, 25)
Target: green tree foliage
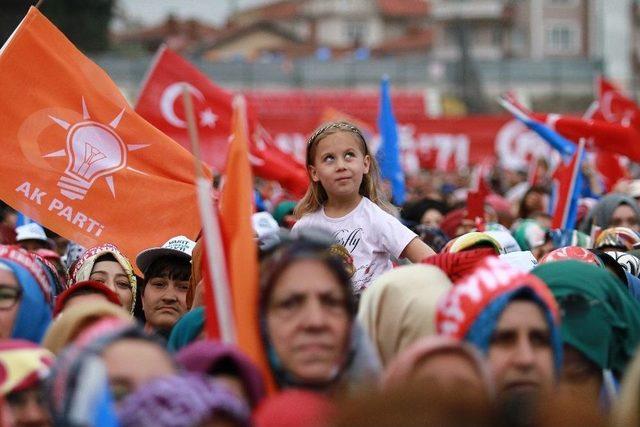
(84, 22)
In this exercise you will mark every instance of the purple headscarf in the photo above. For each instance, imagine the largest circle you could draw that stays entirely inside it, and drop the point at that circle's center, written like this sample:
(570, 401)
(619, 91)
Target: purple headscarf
(181, 401)
(212, 357)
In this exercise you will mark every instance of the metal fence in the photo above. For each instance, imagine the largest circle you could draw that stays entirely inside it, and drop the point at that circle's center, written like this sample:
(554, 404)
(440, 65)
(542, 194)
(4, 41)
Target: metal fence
(547, 76)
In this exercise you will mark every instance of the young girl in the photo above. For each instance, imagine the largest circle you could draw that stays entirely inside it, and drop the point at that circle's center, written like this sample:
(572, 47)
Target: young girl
(344, 199)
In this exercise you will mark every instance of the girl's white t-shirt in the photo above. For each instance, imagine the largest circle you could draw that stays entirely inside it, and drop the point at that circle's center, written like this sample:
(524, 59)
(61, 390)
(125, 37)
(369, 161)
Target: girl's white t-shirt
(371, 235)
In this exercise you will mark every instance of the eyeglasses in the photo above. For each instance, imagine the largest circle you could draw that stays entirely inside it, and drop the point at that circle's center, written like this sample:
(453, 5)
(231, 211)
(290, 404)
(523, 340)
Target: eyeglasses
(9, 296)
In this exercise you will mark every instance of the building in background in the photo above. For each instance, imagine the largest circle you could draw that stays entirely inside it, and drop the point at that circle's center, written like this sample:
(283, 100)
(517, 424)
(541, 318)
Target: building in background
(545, 49)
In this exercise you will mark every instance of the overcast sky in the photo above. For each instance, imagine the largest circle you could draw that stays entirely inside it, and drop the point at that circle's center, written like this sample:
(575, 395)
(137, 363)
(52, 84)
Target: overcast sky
(211, 11)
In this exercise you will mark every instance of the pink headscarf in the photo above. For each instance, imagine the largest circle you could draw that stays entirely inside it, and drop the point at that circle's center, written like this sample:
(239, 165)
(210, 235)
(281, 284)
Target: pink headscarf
(401, 370)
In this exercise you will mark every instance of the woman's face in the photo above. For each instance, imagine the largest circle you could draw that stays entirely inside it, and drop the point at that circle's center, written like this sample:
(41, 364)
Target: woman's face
(624, 216)
(132, 363)
(307, 321)
(115, 278)
(449, 371)
(9, 302)
(431, 217)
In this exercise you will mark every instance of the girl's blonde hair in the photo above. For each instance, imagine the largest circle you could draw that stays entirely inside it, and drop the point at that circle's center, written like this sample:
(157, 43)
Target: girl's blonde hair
(316, 196)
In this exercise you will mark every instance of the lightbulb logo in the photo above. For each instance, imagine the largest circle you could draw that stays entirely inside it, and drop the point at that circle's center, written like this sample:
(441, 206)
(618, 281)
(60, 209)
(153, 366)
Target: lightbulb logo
(94, 150)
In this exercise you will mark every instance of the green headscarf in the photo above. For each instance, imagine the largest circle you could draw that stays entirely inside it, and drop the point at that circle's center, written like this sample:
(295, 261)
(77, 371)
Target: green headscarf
(283, 209)
(529, 234)
(186, 330)
(600, 319)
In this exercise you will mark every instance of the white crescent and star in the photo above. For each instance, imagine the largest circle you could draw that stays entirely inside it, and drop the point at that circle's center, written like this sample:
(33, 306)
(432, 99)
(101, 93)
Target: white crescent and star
(167, 106)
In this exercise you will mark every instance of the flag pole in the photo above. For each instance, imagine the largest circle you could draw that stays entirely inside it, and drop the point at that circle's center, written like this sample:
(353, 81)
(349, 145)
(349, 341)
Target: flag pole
(39, 4)
(210, 230)
(574, 177)
(507, 105)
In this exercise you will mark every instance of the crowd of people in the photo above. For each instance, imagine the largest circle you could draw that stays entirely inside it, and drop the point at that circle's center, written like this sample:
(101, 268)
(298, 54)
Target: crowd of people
(369, 314)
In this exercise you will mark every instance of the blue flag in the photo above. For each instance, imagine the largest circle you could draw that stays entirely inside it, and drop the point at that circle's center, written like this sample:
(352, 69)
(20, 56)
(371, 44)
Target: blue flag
(559, 143)
(388, 154)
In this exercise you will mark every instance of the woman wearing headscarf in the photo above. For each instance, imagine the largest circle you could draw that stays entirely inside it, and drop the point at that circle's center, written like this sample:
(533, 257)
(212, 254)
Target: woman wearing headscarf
(600, 325)
(120, 357)
(400, 306)
(531, 236)
(105, 263)
(24, 366)
(307, 314)
(513, 319)
(26, 296)
(613, 210)
(440, 362)
(65, 329)
(183, 400)
(225, 363)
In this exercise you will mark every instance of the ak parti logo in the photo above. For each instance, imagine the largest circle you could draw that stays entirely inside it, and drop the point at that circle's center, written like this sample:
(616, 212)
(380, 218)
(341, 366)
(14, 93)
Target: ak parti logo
(94, 150)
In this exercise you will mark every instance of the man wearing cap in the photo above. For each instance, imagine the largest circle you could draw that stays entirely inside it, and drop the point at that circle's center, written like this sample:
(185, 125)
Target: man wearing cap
(166, 270)
(32, 237)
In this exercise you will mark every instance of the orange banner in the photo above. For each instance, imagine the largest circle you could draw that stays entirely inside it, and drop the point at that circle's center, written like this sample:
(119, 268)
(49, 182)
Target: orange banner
(77, 158)
(240, 245)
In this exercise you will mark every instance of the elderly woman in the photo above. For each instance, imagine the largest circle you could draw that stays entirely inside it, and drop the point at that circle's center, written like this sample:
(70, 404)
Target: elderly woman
(307, 312)
(25, 296)
(106, 264)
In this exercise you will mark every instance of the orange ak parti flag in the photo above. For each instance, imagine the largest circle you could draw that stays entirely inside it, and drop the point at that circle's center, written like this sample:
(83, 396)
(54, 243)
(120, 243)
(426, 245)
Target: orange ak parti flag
(240, 246)
(77, 158)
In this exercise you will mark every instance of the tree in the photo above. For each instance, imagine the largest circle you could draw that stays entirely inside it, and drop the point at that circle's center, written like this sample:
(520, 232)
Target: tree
(84, 22)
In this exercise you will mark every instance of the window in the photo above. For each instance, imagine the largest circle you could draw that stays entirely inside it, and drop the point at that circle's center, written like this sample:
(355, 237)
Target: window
(563, 38)
(355, 31)
(561, 2)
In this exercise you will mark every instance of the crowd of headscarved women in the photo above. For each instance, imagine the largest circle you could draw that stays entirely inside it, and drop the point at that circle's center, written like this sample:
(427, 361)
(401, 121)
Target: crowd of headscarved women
(504, 321)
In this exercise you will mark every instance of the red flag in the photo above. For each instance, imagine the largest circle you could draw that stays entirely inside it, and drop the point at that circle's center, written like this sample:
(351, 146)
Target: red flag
(614, 107)
(240, 246)
(565, 178)
(161, 104)
(612, 137)
(477, 195)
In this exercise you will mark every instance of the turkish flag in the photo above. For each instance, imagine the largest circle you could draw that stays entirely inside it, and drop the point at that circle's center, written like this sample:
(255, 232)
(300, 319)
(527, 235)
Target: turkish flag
(614, 107)
(161, 104)
(77, 158)
(612, 137)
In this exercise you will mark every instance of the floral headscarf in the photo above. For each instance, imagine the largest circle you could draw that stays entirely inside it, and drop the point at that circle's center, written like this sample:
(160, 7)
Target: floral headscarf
(23, 364)
(81, 270)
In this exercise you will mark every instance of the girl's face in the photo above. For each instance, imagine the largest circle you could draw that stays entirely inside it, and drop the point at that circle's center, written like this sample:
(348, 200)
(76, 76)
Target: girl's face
(115, 278)
(339, 164)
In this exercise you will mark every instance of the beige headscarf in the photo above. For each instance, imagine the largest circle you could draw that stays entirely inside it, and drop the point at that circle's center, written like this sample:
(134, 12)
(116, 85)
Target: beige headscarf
(400, 307)
(81, 269)
(72, 322)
